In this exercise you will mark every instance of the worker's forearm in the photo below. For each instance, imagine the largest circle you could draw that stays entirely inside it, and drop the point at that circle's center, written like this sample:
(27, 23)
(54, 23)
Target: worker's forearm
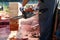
(24, 2)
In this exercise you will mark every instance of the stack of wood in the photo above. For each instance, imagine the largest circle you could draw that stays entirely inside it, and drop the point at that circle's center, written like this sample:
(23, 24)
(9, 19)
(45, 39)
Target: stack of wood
(13, 24)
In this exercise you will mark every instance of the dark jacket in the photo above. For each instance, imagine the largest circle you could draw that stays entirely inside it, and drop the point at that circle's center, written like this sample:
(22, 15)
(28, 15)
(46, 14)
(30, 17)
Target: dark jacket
(46, 19)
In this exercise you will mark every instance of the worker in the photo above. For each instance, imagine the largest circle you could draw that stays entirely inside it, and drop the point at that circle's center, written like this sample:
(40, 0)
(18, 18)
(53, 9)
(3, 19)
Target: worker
(46, 17)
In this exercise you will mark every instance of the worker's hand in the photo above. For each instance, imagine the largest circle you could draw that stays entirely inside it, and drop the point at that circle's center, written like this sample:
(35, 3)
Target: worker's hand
(22, 9)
